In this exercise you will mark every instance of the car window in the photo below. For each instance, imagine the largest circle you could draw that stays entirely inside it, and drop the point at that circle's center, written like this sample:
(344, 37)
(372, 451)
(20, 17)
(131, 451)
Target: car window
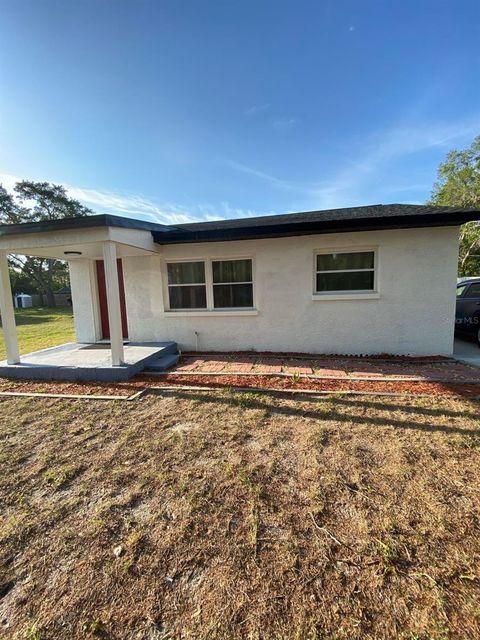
(473, 291)
(460, 290)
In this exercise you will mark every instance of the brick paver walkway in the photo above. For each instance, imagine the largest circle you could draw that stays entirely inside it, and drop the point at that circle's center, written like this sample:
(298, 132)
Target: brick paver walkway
(329, 367)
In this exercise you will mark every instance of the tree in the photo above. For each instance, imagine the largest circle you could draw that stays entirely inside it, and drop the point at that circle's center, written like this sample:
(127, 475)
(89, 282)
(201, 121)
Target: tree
(34, 202)
(458, 185)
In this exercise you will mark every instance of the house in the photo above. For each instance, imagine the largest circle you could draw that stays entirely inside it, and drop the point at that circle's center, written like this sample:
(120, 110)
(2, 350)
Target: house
(360, 280)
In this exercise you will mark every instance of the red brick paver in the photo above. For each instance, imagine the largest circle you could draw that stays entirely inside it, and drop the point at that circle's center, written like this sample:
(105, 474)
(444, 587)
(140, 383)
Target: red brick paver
(268, 366)
(189, 365)
(212, 366)
(298, 370)
(397, 370)
(330, 368)
(239, 367)
(364, 374)
(343, 368)
(297, 367)
(331, 373)
(364, 370)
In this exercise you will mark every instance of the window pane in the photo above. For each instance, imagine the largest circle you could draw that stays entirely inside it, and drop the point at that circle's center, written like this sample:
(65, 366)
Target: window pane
(355, 281)
(232, 295)
(186, 272)
(232, 271)
(460, 290)
(473, 291)
(357, 260)
(188, 297)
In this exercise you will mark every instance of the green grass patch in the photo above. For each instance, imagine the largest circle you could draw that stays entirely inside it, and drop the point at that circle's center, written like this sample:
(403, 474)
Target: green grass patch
(40, 328)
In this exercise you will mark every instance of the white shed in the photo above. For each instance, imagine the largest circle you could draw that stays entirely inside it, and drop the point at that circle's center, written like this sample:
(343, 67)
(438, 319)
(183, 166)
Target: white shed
(23, 300)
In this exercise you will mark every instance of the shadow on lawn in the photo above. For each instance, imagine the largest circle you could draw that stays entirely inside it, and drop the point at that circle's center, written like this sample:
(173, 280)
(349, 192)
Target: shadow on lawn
(256, 402)
(41, 315)
(21, 320)
(424, 411)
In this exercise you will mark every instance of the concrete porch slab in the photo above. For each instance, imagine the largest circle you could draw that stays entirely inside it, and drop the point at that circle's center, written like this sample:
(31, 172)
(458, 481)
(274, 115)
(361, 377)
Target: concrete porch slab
(74, 361)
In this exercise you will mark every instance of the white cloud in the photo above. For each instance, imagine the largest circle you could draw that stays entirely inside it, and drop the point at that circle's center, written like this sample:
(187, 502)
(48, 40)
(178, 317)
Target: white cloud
(285, 123)
(366, 179)
(139, 207)
(354, 182)
(349, 185)
(131, 205)
(235, 212)
(257, 108)
(277, 182)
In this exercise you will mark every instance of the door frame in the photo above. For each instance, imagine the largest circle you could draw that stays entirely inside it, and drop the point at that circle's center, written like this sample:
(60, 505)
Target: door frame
(102, 300)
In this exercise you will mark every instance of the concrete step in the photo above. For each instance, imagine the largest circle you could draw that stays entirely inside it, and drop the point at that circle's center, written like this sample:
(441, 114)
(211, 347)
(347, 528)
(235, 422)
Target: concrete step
(163, 363)
(168, 347)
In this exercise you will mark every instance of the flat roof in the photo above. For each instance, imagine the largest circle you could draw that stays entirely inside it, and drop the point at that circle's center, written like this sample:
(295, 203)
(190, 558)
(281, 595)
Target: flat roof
(82, 222)
(365, 218)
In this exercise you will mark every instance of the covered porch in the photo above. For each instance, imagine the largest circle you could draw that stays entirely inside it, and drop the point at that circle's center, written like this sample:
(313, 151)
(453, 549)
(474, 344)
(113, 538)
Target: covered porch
(89, 362)
(94, 254)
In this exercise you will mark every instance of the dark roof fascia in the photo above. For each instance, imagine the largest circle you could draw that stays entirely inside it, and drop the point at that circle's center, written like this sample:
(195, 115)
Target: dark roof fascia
(449, 219)
(85, 222)
(251, 229)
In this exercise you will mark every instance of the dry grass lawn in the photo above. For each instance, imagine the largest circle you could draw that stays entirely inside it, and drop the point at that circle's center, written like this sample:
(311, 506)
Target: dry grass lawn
(215, 516)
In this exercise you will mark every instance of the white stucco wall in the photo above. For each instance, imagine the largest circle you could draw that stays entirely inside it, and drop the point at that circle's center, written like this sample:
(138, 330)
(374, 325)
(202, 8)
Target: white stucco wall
(84, 300)
(414, 314)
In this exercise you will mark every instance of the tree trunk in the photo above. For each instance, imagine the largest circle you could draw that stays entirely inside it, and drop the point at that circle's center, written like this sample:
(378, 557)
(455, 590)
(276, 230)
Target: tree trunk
(48, 285)
(50, 297)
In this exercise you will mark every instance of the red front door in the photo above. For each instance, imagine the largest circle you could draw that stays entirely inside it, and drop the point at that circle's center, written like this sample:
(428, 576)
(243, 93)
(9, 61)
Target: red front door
(102, 298)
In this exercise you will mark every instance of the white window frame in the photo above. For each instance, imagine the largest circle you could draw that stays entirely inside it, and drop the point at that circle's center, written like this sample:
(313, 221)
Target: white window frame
(189, 284)
(347, 294)
(210, 310)
(219, 284)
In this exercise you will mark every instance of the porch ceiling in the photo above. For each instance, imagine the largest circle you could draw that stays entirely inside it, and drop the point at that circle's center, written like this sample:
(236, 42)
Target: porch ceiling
(91, 250)
(87, 242)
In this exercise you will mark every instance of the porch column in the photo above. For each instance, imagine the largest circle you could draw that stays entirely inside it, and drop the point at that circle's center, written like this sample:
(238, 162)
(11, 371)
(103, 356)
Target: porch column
(113, 301)
(6, 309)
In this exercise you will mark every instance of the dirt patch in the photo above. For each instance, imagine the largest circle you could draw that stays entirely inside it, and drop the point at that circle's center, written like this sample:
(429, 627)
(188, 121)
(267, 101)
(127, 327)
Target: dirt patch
(240, 516)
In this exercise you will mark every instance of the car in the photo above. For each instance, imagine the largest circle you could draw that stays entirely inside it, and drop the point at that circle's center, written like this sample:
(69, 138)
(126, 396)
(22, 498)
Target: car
(467, 313)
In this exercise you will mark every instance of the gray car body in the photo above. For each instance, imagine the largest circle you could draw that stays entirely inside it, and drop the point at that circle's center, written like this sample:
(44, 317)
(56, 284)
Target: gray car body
(467, 313)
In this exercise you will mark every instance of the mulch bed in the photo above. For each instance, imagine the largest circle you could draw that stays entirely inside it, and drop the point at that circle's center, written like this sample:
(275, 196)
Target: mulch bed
(73, 388)
(134, 385)
(309, 356)
(264, 382)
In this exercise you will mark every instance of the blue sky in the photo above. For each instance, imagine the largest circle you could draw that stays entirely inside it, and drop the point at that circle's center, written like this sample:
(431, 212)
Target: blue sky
(176, 110)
